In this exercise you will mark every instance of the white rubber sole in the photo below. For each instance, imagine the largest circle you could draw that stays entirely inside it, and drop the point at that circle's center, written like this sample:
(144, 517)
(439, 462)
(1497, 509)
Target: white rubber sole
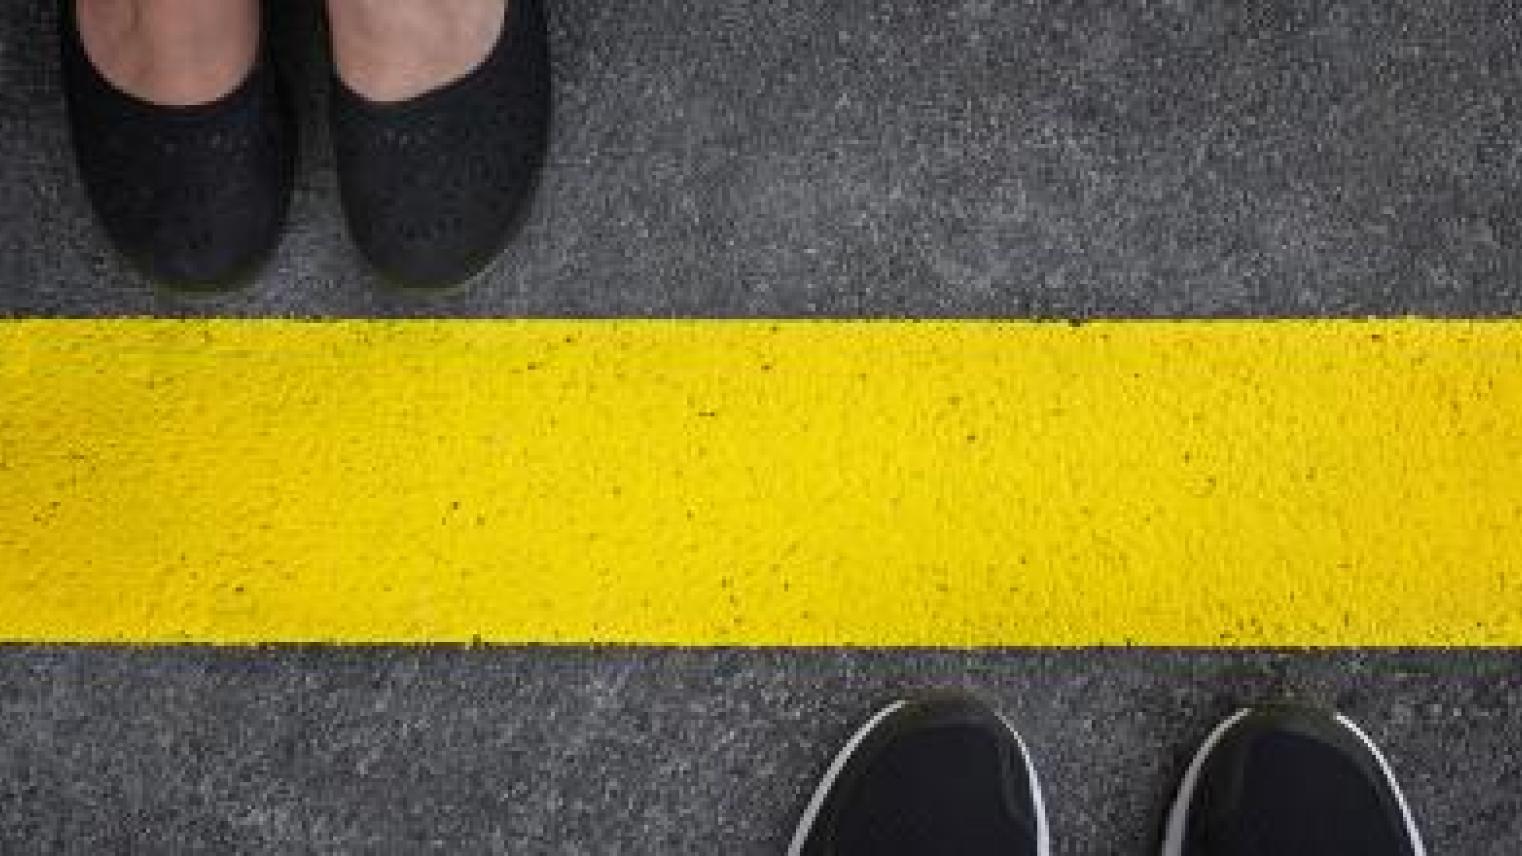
(1043, 830)
(1178, 816)
(1417, 846)
(821, 793)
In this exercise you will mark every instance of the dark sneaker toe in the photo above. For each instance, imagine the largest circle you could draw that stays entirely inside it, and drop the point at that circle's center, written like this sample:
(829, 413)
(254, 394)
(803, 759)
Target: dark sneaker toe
(934, 776)
(1284, 780)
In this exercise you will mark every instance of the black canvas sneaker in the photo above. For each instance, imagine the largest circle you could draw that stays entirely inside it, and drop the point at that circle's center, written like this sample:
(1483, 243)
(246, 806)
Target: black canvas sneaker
(1286, 781)
(929, 777)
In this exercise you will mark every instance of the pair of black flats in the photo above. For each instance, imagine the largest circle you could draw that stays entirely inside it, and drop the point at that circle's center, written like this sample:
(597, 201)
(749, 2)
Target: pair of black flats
(433, 187)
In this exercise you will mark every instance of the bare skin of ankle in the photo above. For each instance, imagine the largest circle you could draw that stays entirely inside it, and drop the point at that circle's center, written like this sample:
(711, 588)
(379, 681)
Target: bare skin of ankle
(392, 50)
(174, 52)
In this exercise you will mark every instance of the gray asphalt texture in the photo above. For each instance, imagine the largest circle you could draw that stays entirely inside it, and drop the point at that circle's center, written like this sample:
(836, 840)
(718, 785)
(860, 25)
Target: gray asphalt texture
(910, 157)
(663, 752)
(808, 158)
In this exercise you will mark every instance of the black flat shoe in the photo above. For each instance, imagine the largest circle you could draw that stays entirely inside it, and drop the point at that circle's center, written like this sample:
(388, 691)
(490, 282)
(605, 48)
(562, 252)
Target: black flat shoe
(434, 186)
(195, 196)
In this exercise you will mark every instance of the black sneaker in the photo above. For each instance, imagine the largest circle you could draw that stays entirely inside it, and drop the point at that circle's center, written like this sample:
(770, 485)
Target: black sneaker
(940, 775)
(1288, 781)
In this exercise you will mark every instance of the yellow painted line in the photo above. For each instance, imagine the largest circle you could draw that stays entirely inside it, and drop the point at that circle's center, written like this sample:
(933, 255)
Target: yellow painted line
(1304, 483)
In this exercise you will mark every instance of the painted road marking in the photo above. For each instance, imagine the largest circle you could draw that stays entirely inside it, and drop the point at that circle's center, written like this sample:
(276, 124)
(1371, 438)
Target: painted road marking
(1204, 483)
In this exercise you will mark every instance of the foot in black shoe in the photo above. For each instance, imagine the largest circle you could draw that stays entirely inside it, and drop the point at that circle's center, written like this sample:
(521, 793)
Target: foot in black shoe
(194, 194)
(942, 775)
(435, 185)
(1290, 782)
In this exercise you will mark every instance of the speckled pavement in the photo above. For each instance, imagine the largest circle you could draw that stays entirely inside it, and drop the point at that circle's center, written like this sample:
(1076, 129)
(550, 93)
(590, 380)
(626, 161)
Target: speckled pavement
(808, 159)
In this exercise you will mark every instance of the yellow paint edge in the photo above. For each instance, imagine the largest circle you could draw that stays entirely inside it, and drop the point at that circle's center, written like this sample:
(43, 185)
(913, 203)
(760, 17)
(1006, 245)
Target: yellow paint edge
(756, 483)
